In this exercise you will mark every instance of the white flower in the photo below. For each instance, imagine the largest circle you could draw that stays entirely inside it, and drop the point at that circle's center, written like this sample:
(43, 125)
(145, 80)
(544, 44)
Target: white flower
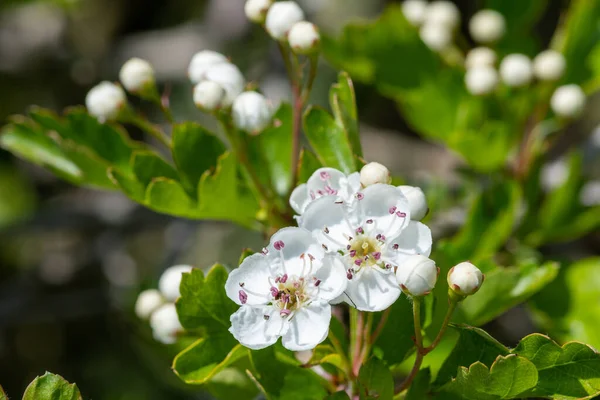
(373, 173)
(465, 279)
(417, 275)
(487, 26)
(437, 37)
(105, 101)
(417, 203)
(256, 10)
(251, 112)
(281, 17)
(169, 282)
(373, 235)
(230, 78)
(137, 75)
(590, 194)
(549, 65)
(285, 292)
(443, 14)
(481, 80)
(147, 302)
(325, 182)
(568, 101)
(304, 38)
(516, 70)
(414, 11)
(201, 62)
(208, 95)
(165, 324)
(554, 174)
(480, 57)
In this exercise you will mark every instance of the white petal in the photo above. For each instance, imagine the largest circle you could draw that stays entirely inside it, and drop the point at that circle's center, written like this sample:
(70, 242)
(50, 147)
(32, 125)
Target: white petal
(323, 178)
(333, 278)
(257, 327)
(372, 290)
(309, 326)
(415, 239)
(299, 198)
(252, 277)
(354, 182)
(325, 213)
(386, 206)
(289, 259)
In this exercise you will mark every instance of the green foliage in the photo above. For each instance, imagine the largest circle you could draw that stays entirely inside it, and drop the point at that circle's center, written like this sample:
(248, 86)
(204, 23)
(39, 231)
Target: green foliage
(419, 389)
(338, 396)
(51, 387)
(343, 103)
(395, 341)
(2, 394)
(308, 164)
(375, 381)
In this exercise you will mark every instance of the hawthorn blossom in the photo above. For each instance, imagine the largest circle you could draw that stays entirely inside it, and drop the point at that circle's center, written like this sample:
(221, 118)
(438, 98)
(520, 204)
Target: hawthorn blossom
(285, 292)
(374, 235)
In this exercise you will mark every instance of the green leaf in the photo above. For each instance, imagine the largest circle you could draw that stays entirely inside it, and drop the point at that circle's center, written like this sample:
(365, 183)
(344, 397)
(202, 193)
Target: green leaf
(148, 166)
(341, 395)
(419, 388)
(395, 341)
(245, 253)
(343, 103)
(508, 378)
(51, 387)
(17, 196)
(232, 383)
(375, 381)
(308, 165)
(568, 372)
(2, 394)
(328, 139)
(130, 186)
(326, 354)
(168, 196)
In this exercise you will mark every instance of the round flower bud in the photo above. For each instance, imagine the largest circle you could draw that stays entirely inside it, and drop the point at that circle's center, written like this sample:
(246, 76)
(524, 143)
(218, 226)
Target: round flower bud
(549, 65)
(251, 112)
(414, 11)
(147, 302)
(487, 26)
(208, 95)
(281, 17)
(137, 75)
(436, 37)
(256, 10)
(304, 38)
(443, 13)
(165, 324)
(202, 62)
(465, 279)
(169, 282)
(568, 101)
(373, 173)
(417, 203)
(481, 80)
(480, 57)
(105, 101)
(516, 70)
(230, 78)
(417, 275)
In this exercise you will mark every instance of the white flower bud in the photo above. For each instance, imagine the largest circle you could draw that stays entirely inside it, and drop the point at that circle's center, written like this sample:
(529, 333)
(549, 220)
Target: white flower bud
(208, 95)
(516, 70)
(480, 57)
(373, 173)
(481, 80)
(147, 302)
(443, 13)
(230, 78)
(304, 38)
(165, 324)
(105, 101)
(465, 279)
(487, 26)
(137, 75)
(281, 17)
(568, 101)
(549, 65)
(201, 62)
(554, 174)
(251, 112)
(417, 202)
(437, 37)
(169, 282)
(590, 194)
(414, 11)
(256, 10)
(417, 275)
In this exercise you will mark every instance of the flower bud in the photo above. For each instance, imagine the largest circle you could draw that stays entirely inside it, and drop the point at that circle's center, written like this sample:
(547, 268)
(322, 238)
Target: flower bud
(417, 275)
(251, 112)
(256, 10)
(437, 37)
(465, 279)
(481, 80)
(170, 280)
(373, 173)
(304, 38)
(444, 14)
(208, 95)
(201, 62)
(230, 78)
(549, 65)
(414, 11)
(281, 17)
(165, 324)
(568, 101)
(487, 26)
(105, 101)
(417, 203)
(480, 57)
(516, 70)
(147, 302)
(137, 76)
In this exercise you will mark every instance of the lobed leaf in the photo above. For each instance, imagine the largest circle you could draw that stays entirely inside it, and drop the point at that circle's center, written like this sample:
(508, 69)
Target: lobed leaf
(375, 381)
(51, 387)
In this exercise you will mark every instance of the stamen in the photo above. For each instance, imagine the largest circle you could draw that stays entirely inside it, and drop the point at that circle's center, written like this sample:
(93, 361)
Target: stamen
(369, 221)
(358, 262)
(325, 247)
(349, 274)
(324, 175)
(360, 196)
(242, 284)
(360, 230)
(284, 312)
(265, 251)
(279, 245)
(376, 255)
(395, 246)
(392, 209)
(317, 282)
(326, 229)
(266, 317)
(274, 291)
(283, 278)
(401, 214)
(352, 253)
(243, 297)
(312, 195)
